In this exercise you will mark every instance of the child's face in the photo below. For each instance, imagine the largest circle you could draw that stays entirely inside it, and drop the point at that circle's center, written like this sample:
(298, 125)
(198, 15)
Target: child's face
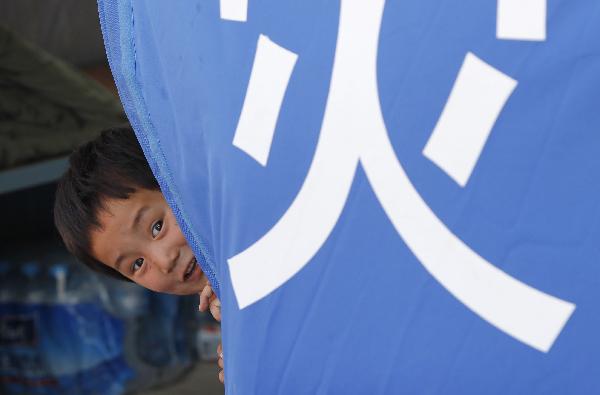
(140, 239)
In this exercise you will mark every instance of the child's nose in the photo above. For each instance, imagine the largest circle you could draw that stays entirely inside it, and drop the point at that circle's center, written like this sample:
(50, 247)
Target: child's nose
(166, 259)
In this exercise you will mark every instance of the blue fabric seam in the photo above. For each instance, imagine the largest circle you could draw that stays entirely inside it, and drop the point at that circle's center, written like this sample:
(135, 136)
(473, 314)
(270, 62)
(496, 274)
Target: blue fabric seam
(139, 117)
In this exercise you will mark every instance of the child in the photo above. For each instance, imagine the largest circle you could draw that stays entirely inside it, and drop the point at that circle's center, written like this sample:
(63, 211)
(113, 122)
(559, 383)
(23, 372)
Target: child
(112, 216)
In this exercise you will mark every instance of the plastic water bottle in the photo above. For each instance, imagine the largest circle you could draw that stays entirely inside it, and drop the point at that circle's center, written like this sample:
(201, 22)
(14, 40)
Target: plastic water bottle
(155, 338)
(122, 299)
(33, 293)
(58, 272)
(82, 285)
(89, 339)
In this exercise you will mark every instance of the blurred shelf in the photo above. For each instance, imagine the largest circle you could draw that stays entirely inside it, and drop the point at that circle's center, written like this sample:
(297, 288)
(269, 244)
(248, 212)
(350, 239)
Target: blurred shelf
(28, 176)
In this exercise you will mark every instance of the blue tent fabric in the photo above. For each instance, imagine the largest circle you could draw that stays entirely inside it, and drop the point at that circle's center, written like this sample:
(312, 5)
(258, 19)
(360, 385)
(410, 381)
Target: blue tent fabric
(388, 196)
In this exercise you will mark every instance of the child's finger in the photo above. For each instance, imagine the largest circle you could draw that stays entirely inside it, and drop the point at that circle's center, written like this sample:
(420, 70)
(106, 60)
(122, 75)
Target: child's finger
(205, 298)
(221, 363)
(203, 303)
(215, 309)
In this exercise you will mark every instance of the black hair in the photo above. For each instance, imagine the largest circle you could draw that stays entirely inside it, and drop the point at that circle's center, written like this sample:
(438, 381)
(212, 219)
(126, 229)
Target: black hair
(112, 166)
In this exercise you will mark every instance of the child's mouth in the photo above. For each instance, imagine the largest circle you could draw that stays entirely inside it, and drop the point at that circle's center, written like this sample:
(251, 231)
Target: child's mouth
(190, 269)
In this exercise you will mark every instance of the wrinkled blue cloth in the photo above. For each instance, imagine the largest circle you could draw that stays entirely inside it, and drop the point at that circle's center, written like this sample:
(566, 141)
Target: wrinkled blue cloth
(372, 306)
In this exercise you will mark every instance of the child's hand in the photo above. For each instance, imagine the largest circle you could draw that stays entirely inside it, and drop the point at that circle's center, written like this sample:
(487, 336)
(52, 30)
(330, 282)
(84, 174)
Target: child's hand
(208, 300)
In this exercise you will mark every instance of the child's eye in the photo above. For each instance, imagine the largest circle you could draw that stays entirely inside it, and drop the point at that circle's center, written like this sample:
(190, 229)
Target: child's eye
(156, 228)
(137, 264)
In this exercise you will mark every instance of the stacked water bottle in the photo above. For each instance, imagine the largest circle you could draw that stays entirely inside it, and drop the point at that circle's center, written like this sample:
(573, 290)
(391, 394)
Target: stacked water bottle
(66, 330)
